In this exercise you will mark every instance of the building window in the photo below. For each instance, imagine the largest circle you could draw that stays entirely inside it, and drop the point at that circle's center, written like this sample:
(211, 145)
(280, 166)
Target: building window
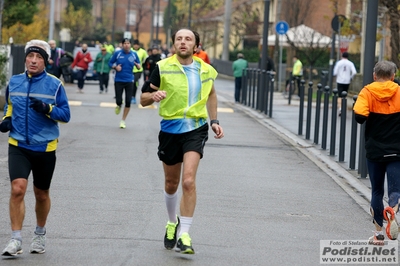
(130, 18)
(160, 17)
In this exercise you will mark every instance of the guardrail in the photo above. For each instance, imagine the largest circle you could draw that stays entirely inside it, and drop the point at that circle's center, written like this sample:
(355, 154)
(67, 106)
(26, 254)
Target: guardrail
(258, 93)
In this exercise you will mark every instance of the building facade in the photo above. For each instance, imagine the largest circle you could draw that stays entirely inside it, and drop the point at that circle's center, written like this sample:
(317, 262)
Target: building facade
(143, 19)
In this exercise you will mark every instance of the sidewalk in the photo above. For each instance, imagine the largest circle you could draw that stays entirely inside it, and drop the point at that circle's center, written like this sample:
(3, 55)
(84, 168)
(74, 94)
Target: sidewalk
(285, 122)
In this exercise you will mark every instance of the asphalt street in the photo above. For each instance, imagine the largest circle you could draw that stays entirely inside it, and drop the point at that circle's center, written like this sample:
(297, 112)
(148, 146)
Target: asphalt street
(263, 198)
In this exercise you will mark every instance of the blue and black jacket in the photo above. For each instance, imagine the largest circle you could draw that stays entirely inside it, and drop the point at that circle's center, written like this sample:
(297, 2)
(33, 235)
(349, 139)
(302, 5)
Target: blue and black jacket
(30, 129)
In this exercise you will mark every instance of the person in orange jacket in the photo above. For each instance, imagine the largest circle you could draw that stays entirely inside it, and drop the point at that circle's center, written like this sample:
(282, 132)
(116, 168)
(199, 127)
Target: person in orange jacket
(378, 106)
(200, 53)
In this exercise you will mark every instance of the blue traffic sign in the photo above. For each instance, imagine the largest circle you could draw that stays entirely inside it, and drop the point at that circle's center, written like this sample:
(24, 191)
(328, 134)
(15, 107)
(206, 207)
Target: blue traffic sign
(281, 27)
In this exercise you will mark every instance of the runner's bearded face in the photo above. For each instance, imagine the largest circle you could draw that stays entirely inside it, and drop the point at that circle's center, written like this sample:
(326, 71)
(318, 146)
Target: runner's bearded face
(185, 44)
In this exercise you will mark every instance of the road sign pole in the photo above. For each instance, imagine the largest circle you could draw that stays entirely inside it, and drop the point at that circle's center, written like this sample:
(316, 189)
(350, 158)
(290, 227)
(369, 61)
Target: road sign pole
(281, 28)
(280, 63)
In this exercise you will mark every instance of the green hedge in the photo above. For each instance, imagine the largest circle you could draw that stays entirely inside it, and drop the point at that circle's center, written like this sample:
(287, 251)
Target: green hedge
(3, 77)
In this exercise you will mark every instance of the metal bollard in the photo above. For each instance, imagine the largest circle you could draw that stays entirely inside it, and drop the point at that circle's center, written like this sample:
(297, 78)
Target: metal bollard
(309, 109)
(325, 117)
(317, 113)
(301, 107)
(333, 123)
(324, 78)
(253, 92)
(266, 89)
(271, 78)
(260, 88)
(249, 86)
(353, 138)
(343, 118)
(244, 85)
(362, 159)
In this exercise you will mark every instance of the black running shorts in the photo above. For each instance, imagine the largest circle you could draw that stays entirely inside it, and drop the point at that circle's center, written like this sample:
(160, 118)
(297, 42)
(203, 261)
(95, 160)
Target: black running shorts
(172, 147)
(22, 161)
(342, 87)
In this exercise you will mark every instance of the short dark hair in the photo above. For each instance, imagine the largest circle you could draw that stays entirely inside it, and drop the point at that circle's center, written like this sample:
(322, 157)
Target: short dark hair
(345, 55)
(126, 40)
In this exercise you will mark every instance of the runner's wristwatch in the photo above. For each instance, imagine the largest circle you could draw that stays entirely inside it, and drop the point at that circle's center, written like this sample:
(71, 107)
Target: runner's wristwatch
(214, 121)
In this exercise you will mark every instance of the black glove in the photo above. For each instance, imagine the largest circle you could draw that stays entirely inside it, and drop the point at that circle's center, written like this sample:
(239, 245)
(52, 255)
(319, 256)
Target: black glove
(5, 125)
(39, 106)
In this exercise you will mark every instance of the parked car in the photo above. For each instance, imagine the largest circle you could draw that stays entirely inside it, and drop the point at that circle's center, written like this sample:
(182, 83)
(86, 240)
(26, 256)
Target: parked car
(89, 74)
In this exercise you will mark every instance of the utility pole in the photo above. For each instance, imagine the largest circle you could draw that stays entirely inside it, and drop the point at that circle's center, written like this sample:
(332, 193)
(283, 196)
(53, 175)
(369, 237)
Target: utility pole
(113, 22)
(153, 2)
(158, 18)
(277, 60)
(265, 33)
(51, 24)
(190, 13)
(227, 25)
(168, 41)
(364, 29)
(369, 63)
(128, 16)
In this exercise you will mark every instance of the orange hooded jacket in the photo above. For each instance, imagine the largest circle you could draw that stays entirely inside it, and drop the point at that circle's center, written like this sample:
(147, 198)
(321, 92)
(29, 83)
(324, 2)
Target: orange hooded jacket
(378, 104)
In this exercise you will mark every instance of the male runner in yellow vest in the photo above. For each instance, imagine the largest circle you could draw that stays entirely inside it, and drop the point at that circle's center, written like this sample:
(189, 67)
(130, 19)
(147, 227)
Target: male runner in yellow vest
(184, 87)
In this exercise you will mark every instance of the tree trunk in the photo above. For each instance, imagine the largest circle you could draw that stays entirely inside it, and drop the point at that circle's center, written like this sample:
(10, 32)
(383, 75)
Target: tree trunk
(1, 19)
(392, 5)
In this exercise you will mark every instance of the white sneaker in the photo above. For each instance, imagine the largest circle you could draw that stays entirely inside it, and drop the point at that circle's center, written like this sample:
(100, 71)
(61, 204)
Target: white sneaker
(38, 244)
(122, 124)
(13, 248)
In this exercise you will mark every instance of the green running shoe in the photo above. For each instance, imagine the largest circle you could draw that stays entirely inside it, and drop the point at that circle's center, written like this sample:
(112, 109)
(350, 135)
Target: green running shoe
(170, 234)
(184, 244)
(117, 110)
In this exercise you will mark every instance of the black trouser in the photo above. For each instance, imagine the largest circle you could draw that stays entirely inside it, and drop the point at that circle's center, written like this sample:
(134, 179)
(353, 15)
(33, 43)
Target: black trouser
(137, 76)
(297, 80)
(81, 76)
(238, 87)
(103, 79)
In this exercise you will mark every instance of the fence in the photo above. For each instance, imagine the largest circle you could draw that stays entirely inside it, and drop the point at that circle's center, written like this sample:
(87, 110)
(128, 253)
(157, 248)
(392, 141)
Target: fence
(318, 107)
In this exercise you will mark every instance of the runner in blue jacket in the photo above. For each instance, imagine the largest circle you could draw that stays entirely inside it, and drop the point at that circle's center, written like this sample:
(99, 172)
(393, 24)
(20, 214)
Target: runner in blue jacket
(123, 62)
(35, 103)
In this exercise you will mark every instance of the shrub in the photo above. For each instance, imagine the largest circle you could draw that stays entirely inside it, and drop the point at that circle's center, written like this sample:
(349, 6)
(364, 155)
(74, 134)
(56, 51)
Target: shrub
(3, 76)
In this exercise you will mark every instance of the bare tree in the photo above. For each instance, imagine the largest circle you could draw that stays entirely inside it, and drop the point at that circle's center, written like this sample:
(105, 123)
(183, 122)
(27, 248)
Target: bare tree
(307, 43)
(142, 11)
(245, 23)
(1, 18)
(393, 11)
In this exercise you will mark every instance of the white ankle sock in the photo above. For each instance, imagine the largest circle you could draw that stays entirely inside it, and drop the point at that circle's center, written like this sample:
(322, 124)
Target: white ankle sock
(171, 201)
(185, 224)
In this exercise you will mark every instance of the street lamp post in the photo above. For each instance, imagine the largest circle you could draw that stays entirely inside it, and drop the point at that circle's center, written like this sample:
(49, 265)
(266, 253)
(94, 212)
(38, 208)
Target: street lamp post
(264, 54)
(158, 18)
(128, 16)
(169, 25)
(51, 24)
(113, 22)
(190, 13)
